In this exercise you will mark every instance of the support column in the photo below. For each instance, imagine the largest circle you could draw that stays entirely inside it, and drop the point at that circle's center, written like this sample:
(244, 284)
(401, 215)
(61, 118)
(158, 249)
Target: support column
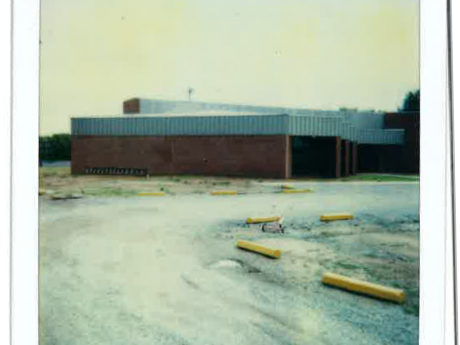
(288, 158)
(345, 158)
(338, 157)
(354, 158)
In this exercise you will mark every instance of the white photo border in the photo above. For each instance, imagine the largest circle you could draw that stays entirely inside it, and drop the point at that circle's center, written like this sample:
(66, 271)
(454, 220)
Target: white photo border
(433, 165)
(25, 171)
(24, 199)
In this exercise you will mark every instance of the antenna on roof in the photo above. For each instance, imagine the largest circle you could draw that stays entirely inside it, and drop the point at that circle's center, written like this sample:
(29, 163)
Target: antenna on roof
(190, 91)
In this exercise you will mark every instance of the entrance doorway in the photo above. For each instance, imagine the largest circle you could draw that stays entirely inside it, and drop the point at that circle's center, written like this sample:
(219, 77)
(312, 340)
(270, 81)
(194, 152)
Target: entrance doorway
(314, 156)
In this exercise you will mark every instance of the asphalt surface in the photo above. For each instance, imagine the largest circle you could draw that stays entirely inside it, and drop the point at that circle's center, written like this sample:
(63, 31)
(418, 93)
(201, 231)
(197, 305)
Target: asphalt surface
(165, 270)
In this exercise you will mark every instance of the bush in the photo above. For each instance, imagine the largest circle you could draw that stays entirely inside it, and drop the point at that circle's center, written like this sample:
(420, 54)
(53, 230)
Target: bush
(55, 147)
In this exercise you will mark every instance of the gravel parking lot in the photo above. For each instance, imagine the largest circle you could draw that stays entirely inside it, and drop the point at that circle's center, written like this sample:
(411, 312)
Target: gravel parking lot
(165, 270)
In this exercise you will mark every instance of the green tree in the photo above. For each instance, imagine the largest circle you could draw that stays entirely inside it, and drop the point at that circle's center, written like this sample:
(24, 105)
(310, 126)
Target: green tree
(411, 101)
(55, 147)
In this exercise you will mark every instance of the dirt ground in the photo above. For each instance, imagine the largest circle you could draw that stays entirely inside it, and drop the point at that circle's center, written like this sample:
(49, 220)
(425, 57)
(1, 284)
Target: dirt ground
(58, 180)
(116, 268)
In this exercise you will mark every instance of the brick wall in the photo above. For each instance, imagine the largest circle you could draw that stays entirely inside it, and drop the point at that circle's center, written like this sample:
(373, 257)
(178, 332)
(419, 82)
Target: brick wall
(404, 159)
(132, 106)
(409, 155)
(252, 156)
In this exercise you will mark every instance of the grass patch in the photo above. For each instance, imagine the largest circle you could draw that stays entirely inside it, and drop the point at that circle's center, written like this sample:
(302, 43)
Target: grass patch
(382, 178)
(108, 191)
(221, 183)
(54, 171)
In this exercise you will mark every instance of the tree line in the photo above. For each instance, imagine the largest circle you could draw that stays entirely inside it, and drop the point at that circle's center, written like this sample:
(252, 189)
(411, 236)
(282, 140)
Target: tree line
(55, 147)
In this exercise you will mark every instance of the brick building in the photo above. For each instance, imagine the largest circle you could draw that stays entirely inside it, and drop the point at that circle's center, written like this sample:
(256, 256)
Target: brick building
(162, 137)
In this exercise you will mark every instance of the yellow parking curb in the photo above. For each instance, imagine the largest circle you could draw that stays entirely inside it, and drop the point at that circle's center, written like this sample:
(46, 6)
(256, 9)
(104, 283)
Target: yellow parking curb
(287, 186)
(253, 247)
(295, 191)
(354, 285)
(152, 194)
(224, 192)
(262, 220)
(336, 216)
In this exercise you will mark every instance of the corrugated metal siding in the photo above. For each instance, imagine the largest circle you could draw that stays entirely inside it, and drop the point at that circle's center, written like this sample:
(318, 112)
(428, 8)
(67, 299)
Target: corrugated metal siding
(315, 125)
(365, 120)
(158, 106)
(165, 106)
(375, 136)
(161, 126)
(318, 125)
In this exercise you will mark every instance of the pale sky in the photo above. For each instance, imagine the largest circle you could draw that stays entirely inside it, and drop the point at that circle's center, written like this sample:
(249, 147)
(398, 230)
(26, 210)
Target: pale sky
(319, 54)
